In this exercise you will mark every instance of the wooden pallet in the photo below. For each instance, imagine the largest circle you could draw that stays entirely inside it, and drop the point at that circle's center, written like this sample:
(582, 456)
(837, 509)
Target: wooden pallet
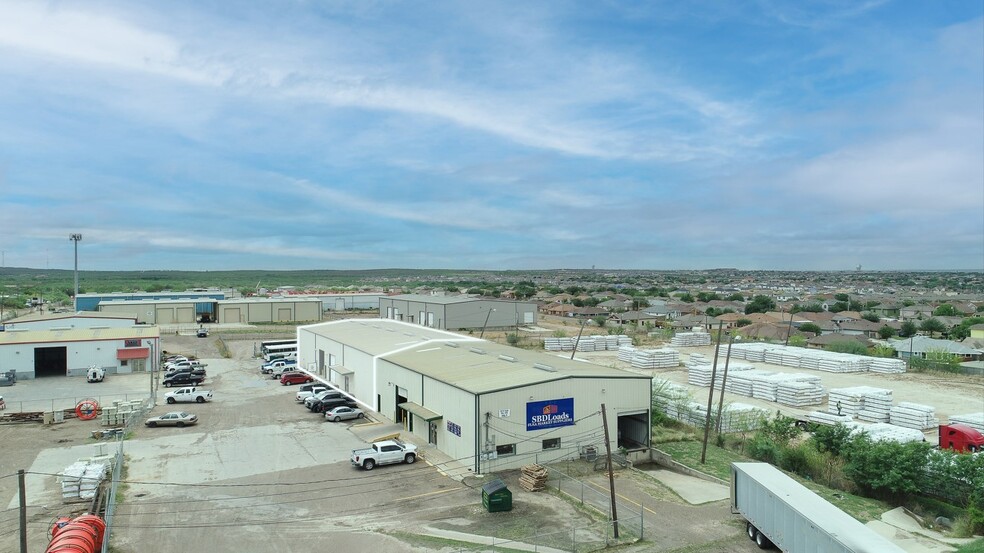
(534, 478)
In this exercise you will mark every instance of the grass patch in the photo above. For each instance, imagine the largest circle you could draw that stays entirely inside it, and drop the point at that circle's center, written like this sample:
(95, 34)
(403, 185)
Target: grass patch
(972, 547)
(719, 464)
(718, 461)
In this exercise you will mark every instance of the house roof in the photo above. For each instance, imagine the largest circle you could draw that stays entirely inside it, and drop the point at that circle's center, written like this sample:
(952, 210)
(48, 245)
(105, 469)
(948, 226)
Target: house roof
(922, 344)
(827, 339)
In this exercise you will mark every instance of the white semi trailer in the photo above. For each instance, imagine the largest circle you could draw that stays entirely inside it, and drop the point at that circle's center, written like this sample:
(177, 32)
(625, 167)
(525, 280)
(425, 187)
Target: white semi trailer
(782, 512)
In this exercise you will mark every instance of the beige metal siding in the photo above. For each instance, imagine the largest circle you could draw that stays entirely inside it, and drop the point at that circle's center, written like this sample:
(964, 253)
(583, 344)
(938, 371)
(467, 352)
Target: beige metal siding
(231, 315)
(165, 315)
(186, 315)
(284, 314)
(307, 311)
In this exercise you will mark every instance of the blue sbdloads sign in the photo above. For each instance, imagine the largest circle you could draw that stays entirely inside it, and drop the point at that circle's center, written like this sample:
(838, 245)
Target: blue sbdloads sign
(549, 414)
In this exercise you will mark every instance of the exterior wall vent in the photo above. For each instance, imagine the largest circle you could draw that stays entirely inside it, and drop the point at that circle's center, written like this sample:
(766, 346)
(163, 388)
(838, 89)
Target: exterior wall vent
(477, 350)
(451, 344)
(543, 367)
(509, 358)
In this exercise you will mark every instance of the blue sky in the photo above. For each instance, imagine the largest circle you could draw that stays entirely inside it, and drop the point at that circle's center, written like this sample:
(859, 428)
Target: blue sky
(356, 134)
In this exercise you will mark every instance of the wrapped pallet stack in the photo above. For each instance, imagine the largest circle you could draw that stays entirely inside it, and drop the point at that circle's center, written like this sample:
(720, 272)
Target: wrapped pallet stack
(974, 420)
(864, 402)
(914, 415)
(690, 339)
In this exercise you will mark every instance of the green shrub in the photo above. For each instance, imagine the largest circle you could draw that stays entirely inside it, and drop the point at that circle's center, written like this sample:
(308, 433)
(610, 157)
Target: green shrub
(763, 449)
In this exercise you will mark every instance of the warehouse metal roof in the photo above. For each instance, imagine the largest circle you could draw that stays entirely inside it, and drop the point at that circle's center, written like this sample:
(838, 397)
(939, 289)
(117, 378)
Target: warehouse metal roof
(10, 337)
(35, 317)
(443, 300)
(483, 367)
(380, 336)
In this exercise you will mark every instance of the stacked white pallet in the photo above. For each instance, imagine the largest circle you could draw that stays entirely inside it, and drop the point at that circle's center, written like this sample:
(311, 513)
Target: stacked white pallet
(800, 393)
(767, 387)
(585, 344)
(864, 402)
(700, 375)
(811, 362)
(611, 343)
(914, 415)
(625, 353)
(839, 363)
(975, 420)
(821, 417)
(691, 339)
(557, 344)
(600, 343)
(743, 382)
(749, 352)
(662, 358)
(624, 340)
(94, 474)
(884, 432)
(792, 358)
(698, 359)
(773, 357)
(71, 477)
(736, 417)
(886, 365)
(876, 407)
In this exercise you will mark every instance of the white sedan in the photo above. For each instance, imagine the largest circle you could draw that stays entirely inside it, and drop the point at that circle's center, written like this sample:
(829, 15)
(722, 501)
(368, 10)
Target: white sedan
(343, 413)
(174, 418)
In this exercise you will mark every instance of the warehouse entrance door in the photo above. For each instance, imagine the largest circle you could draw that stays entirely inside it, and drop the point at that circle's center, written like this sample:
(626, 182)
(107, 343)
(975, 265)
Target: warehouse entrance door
(633, 430)
(51, 361)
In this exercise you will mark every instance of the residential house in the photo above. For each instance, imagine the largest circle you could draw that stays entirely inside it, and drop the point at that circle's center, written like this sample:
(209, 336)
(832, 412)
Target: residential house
(888, 310)
(977, 331)
(860, 327)
(918, 311)
(638, 318)
(559, 309)
(919, 346)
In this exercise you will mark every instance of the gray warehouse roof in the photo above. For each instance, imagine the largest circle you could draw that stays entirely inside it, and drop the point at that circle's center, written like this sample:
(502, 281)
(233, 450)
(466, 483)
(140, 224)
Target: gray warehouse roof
(443, 300)
(379, 336)
(483, 367)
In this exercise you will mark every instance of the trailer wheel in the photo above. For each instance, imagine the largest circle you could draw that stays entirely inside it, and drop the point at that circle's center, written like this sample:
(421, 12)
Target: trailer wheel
(761, 541)
(750, 530)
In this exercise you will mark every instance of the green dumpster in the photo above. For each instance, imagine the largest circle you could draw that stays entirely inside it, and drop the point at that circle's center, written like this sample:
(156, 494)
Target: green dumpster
(496, 497)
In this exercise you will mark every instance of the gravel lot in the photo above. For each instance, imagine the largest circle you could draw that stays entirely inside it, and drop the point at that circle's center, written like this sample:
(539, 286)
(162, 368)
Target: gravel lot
(260, 473)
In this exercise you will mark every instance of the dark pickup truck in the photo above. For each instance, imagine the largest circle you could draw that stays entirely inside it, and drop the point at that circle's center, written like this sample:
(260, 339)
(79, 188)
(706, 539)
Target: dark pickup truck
(183, 379)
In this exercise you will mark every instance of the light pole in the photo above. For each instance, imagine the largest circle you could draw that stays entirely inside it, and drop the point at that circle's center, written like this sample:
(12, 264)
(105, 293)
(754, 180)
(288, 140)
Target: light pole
(75, 299)
(724, 381)
(486, 322)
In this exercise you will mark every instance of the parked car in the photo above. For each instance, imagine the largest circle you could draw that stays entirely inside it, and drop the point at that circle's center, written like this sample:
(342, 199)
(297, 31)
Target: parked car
(329, 404)
(202, 333)
(330, 393)
(198, 371)
(290, 378)
(188, 394)
(312, 389)
(183, 379)
(174, 418)
(344, 413)
(270, 366)
(95, 374)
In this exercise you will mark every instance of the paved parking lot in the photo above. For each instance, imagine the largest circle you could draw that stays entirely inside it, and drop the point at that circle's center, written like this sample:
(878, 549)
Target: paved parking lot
(260, 473)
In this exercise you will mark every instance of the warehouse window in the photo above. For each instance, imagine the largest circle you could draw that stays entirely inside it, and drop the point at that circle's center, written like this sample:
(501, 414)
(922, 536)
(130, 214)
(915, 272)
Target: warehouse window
(552, 443)
(508, 449)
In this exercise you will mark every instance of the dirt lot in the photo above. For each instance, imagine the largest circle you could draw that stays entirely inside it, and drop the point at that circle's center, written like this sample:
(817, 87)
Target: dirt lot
(260, 473)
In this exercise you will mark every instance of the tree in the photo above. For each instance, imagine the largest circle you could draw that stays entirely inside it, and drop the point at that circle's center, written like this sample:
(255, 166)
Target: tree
(743, 322)
(707, 296)
(797, 341)
(886, 468)
(842, 298)
(600, 320)
(945, 310)
(869, 316)
(810, 327)
(760, 304)
(848, 346)
(932, 325)
(686, 297)
(839, 306)
(962, 330)
(886, 332)
(738, 297)
(831, 438)
(908, 329)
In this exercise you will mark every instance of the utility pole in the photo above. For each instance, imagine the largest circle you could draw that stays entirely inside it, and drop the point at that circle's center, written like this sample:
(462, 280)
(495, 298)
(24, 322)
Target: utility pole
(75, 299)
(21, 492)
(611, 475)
(578, 341)
(486, 323)
(710, 396)
(724, 382)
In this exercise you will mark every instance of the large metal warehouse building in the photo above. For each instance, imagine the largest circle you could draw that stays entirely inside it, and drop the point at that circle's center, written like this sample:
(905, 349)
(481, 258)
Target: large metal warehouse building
(90, 302)
(243, 310)
(67, 321)
(487, 405)
(457, 312)
(71, 351)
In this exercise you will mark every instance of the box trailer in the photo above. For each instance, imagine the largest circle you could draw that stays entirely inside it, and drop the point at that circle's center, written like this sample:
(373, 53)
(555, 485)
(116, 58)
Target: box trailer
(782, 512)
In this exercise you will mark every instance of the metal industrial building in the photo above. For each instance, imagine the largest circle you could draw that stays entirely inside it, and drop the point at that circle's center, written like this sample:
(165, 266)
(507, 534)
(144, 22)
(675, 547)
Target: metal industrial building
(90, 302)
(490, 406)
(68, 321)
(457, 312)
(71, 351)
(240, 310)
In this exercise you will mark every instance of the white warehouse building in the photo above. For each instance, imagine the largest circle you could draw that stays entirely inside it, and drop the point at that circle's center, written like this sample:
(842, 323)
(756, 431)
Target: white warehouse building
(71, 351)
(487, 405)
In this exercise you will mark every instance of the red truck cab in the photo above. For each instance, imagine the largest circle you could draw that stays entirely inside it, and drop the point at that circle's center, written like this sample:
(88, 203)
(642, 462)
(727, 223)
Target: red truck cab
(961, 438)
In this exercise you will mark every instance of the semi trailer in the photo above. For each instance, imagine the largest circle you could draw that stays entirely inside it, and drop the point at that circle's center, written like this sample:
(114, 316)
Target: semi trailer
(782, 512)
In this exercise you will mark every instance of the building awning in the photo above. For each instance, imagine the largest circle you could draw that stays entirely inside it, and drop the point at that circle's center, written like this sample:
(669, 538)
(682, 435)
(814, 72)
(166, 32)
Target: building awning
(420, 411)
(132, 353)
(339, 369)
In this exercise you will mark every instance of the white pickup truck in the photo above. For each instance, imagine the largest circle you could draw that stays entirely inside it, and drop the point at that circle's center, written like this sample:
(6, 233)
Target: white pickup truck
(188, 394)
(386, 452)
